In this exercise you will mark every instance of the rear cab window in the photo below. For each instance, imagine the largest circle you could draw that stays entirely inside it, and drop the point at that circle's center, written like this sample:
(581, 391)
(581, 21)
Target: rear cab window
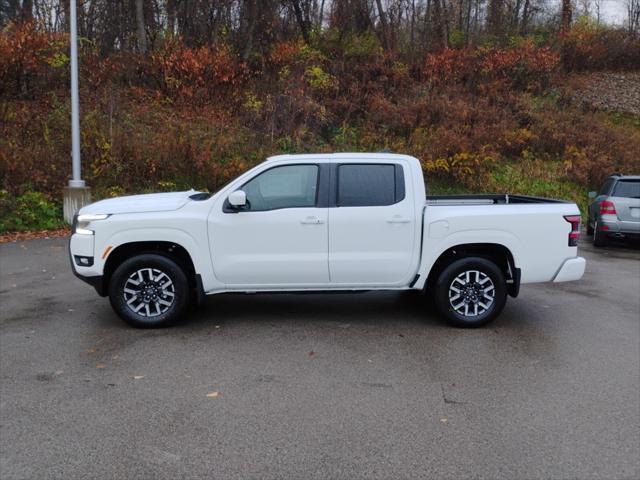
(369, 185)
(627, 189)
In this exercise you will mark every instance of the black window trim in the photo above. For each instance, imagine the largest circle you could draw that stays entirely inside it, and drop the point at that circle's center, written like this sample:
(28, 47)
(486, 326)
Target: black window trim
(399, 184)
(322, 194)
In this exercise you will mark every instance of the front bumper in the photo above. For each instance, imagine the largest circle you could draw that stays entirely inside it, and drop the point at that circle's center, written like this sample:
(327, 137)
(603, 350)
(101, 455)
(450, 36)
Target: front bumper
(82, 246)
(571, 269)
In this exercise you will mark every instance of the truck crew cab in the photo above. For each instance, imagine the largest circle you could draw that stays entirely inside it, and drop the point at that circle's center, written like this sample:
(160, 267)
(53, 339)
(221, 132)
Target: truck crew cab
(323, 222)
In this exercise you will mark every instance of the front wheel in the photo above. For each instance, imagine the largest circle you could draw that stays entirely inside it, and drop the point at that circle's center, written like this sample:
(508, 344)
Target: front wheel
(471, 292)
(149, 291)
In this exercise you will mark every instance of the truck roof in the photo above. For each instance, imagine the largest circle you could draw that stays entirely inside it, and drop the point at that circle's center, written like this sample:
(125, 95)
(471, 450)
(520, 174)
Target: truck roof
(309, 157)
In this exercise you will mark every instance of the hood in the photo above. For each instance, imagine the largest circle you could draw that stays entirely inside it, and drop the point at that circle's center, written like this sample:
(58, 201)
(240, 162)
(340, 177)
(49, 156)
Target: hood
(153, 202)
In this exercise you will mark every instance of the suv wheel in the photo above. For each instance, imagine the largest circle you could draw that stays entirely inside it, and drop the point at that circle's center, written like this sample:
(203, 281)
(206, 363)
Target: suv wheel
(149, 291)
(471, 292)
(589, 227)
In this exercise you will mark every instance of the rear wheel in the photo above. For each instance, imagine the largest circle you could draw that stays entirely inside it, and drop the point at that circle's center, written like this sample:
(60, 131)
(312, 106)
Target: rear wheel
(149, 291)
(589, 227)
(599, 238)
(471, 292)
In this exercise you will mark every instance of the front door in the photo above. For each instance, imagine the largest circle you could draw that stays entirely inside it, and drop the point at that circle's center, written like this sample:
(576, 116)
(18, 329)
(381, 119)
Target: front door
(280, 239)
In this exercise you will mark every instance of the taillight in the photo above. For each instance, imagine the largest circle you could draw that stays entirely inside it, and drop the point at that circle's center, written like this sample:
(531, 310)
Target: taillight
(574, 234)
(607, 208)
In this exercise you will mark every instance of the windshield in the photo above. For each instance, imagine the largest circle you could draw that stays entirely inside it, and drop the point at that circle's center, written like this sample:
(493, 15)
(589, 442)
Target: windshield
(627, 188)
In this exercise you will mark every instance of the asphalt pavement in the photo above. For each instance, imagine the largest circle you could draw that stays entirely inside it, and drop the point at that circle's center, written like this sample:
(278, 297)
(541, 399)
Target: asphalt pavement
(344, 386)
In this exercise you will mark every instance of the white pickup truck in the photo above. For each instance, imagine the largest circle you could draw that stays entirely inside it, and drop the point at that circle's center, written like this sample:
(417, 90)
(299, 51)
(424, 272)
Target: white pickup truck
(325, 222)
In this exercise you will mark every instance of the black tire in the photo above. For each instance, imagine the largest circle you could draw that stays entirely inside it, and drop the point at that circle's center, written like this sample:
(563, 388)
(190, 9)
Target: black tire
(589, 227)
(599, 238)
(152, 272)
(486, 269)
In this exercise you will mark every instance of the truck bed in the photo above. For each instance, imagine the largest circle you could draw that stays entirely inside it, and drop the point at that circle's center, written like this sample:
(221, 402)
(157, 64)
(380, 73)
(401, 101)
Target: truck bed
(488, 199)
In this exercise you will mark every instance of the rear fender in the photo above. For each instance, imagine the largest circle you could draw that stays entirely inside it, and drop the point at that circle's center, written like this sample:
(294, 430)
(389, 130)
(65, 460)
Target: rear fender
(434, 248)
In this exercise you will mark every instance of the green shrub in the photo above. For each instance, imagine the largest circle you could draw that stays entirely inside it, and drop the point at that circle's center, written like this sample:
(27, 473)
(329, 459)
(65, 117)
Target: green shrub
(30, 211)
(457, 38)
(320, 80)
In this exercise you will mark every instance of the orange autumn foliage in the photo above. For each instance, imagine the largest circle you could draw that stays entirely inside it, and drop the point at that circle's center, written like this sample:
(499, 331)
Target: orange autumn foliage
(197, 116)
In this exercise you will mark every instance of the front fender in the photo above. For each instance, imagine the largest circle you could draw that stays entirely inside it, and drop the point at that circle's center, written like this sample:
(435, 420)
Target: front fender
(197, 249)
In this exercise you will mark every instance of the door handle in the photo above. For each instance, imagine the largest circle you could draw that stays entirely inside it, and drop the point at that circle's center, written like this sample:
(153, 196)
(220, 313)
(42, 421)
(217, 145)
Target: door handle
(312, 221)
(398, 219)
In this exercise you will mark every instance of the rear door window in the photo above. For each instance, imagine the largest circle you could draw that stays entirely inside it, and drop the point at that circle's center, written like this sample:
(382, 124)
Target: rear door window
(369, 185)
(627, 189)
(606, 187)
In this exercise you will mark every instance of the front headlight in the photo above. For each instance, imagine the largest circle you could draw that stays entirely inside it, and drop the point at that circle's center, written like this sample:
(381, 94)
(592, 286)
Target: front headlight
(82, 223)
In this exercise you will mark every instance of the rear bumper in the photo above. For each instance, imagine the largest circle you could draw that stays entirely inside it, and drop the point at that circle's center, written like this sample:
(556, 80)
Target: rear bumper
(571, 269)
(621, 234)
(612, 227)
(624, 236)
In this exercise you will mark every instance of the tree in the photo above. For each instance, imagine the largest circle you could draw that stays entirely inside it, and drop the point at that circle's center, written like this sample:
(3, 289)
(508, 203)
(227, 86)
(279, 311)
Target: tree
(524, 23)
(598, 7)
(439, 27)
(495, 17)
(12, 10)
(633, 16)
(567, 13)
(142, 35)
(351, 16)
(302, 17)
(384, 27)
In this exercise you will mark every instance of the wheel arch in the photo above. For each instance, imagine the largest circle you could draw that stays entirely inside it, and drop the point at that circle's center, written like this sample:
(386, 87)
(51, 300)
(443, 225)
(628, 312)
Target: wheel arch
(495, 252)
(171, 250)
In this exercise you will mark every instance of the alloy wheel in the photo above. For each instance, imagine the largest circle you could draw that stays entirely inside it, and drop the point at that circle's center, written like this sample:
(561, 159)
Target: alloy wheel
(471, 293)
(149, 292)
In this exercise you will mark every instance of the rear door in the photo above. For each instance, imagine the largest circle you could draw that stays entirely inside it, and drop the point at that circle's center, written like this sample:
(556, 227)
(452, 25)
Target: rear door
(594, 207)
(371, 224)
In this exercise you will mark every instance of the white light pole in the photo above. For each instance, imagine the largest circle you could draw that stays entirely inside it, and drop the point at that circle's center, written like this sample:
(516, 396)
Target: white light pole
(76, 180)
(76, 195)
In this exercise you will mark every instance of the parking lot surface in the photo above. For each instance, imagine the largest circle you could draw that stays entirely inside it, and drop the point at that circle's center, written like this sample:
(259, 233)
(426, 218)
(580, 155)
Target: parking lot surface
(345, 386)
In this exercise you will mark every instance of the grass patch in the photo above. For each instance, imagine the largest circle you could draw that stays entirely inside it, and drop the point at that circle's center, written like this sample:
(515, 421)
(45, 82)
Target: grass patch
(536, 178)
(439, 186)
(527, 177)
(622, 119)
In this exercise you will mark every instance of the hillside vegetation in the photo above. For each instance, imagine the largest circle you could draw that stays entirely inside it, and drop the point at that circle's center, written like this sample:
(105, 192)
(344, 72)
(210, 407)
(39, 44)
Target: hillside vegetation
(504, 117)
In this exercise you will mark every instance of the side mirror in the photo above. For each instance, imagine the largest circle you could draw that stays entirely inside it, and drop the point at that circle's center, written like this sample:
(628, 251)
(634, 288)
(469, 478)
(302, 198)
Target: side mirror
(238, 199)
(593, 194)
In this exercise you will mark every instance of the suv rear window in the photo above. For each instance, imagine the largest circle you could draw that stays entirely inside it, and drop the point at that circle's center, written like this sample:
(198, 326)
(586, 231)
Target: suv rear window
(627, 188)
(367, 185)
